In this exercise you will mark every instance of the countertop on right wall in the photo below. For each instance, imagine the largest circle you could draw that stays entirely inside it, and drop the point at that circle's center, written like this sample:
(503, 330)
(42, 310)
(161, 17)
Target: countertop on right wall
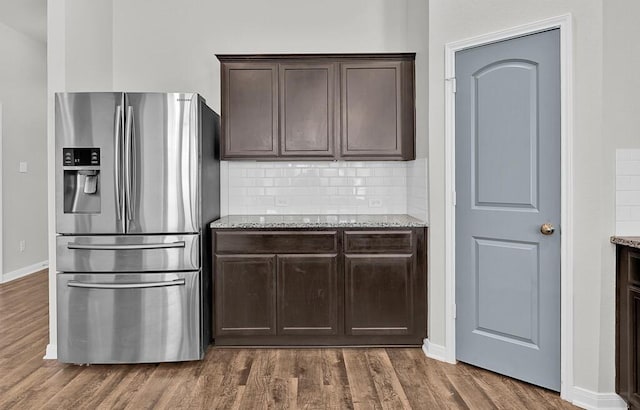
(631, 241)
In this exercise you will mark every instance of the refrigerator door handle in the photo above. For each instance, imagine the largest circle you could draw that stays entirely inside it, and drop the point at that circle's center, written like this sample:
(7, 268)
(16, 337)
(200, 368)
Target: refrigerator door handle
(120, 247)
(118, 161)
(76, 284)
(128, 153)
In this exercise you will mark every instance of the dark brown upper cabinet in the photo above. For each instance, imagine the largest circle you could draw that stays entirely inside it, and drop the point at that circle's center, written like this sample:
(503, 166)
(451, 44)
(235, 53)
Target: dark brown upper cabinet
(250, 107)
(318, 106)
(307, 109)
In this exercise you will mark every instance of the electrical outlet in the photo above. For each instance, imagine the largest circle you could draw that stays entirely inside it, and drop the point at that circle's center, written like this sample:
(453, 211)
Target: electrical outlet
(23, 167)
(375, 203)
(23, 245)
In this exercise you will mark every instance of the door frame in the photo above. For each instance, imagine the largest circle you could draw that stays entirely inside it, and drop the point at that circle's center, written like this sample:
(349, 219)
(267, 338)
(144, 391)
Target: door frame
(564, 23)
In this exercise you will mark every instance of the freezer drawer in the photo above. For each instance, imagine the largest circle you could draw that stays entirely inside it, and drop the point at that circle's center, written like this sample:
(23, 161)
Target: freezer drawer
(126, 253)
(129, 318)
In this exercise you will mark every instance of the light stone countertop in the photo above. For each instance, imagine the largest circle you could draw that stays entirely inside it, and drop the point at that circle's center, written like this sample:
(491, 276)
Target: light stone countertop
(631, 241)
(318, 221)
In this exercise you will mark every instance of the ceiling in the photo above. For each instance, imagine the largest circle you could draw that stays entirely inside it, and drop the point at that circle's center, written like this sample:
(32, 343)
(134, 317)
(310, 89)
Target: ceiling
(26, 16)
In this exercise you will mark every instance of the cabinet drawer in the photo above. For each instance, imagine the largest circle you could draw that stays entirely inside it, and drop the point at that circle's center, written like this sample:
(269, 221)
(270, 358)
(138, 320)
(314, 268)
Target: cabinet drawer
(276, 242)
(378, 242)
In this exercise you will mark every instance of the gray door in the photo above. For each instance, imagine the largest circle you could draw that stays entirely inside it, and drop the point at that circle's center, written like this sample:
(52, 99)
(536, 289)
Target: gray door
(508, 186)
(161, 132)
(89, 120)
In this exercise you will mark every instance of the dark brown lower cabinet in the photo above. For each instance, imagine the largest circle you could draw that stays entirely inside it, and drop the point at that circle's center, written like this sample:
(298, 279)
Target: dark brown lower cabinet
(320, 287)
(245, 295)
(379, 294)
(628, 325)
(308, 295)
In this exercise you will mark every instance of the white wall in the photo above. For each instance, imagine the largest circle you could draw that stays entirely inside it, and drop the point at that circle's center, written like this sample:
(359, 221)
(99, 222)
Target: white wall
(23, 75)
(171, 45)
(593, 212)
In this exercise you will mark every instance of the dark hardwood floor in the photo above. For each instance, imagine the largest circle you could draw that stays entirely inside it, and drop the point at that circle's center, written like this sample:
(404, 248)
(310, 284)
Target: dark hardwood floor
(358, 378)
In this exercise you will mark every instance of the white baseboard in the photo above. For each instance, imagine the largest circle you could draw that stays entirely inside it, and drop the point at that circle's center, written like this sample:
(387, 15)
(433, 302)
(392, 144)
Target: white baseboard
(434, 351)
(27, 270)
(591, 400)
(51, 353)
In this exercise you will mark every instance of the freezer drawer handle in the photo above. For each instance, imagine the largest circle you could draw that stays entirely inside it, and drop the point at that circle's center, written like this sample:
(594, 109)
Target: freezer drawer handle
(76, 284)
(114, 247)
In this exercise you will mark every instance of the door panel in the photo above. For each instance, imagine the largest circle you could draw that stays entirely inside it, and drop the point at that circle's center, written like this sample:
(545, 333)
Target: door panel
(379, 293)
(88, 120)
(129, 318)
(634, 346)
(499, 285)
(307, 109)
(250, 110)
(308, 295)
(126, 253)
(504, 96)
(507, 186)
(371, 108)
(245, 295)
(164, 166)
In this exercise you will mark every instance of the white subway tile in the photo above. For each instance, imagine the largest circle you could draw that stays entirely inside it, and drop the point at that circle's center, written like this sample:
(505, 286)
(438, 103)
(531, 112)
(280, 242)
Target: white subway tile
(628, 198)
(282, 181)
(255, 172)
(329, 172)
(273, 172)
(628, 183)
(237, 172)
(628, 228)
(628, 168)
(628, 154)
(623, 213)
(323, 186)
(634, 213)
(255, 191)
(383, 172)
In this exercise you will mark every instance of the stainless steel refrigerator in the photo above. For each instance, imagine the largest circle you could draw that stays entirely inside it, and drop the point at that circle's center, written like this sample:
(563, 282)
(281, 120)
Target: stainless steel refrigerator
(137, 182)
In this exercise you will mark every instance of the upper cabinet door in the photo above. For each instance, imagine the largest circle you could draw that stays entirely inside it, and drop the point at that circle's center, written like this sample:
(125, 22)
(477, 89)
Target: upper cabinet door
(307, 109)
(377, 110)
(249, 110)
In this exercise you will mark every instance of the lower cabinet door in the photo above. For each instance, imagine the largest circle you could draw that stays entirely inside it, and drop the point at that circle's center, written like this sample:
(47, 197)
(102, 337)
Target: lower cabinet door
(379, 292)
(245, 295)
(634, 347)
(309, 300)
(129, 317)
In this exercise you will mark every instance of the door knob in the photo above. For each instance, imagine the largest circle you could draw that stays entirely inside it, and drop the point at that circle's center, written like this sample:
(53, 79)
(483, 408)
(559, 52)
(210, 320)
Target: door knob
(547, 229)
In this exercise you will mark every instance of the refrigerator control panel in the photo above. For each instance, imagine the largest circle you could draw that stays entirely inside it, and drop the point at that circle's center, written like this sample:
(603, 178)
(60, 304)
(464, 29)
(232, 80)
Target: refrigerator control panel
(80, 157)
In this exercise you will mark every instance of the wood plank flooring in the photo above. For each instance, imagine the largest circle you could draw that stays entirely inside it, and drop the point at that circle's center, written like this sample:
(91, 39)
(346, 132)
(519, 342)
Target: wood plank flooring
(352, 378)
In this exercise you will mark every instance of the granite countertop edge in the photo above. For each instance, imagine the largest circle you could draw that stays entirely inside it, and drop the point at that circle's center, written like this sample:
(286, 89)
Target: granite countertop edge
(631, 241)
(318, 221)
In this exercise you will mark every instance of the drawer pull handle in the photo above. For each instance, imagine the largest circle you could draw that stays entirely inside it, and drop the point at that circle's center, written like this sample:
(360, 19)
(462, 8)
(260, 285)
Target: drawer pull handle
(124, 247)
(76, 284)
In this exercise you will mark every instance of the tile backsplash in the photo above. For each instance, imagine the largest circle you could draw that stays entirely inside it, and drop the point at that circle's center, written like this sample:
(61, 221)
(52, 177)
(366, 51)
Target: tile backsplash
(628, 192)
(321, 187)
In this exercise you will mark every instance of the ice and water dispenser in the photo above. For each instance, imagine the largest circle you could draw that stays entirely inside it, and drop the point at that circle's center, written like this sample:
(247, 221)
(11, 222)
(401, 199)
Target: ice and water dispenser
(81, 168)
